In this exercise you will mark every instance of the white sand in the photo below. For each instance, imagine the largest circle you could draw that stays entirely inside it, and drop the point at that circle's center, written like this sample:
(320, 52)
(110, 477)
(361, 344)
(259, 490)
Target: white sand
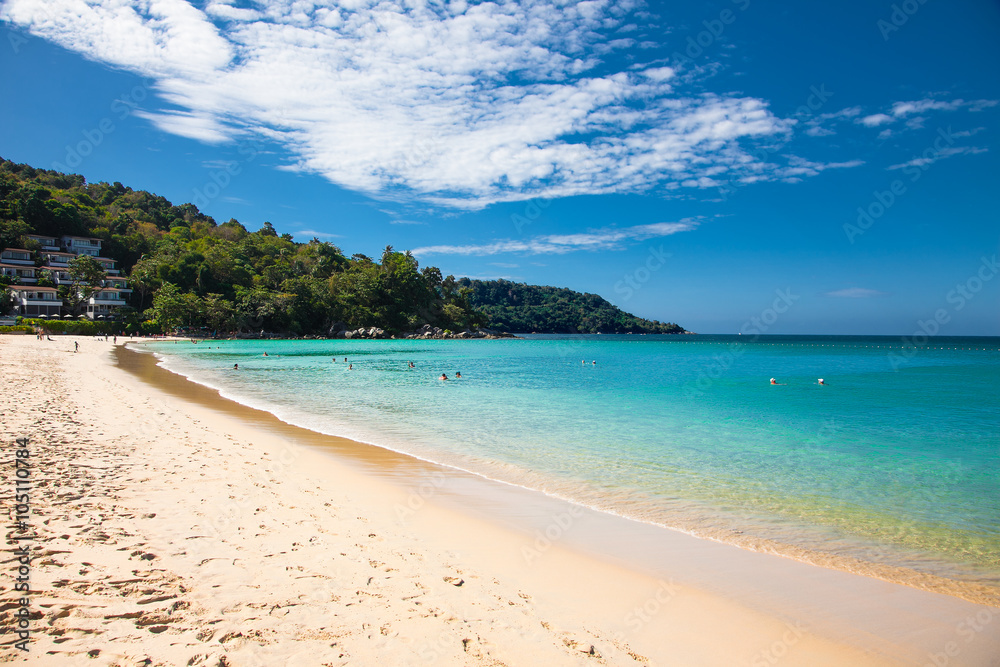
(172, 534)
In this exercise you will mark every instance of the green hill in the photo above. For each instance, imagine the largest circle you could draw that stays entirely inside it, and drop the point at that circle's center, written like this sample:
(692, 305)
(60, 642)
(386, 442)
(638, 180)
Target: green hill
(522, 308)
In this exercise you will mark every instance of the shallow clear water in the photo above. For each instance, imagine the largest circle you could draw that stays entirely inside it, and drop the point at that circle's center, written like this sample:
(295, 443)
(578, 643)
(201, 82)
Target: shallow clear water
(895, 461)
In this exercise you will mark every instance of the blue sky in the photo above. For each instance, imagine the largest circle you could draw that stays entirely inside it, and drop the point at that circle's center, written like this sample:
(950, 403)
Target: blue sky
(691, 162)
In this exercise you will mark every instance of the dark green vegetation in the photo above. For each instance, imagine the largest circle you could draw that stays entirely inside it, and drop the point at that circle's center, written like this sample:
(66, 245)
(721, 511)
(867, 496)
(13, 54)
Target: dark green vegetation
(188, 271)
(532, 308)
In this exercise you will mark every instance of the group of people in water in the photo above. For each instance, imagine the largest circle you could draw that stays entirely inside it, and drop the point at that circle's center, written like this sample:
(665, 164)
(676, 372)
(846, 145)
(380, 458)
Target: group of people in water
(774, 381)
(350, 367)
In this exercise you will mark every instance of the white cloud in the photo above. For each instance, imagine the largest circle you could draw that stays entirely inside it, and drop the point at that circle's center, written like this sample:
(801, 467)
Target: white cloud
(968, 133)
(558, 244)
(456, 104)
(198, 126)
(855, 293)
(814, 124)
(921, 106)
(875, 120)
(911, 112)
(930, 158)
(799, 167)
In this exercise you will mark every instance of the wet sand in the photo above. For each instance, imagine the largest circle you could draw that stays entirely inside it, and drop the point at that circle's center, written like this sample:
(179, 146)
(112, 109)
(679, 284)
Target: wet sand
(177, 526)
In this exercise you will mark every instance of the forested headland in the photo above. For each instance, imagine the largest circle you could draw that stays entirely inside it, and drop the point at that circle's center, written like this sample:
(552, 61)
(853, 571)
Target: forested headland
(533, 308)
(188, 271)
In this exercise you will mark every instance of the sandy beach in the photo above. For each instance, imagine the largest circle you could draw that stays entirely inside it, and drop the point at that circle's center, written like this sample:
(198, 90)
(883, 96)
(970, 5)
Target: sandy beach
(172, 527)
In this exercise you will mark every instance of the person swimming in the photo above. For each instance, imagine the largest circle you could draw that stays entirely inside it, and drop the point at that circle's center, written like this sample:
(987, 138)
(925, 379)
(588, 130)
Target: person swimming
(458, 375)
(820, 381)
(350, 367)
(236, 367)
(773, 381)
(264, 355)
(443, 377)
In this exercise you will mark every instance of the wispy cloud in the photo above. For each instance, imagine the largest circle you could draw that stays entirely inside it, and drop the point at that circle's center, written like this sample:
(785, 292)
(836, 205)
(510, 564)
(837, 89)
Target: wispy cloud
(911, 115)
(197, 126)
(558, 244)
(927, 160)
(855, 293)
(310, 233)
(815, 125)
(912, 112)
(799, 167)
(459, 104)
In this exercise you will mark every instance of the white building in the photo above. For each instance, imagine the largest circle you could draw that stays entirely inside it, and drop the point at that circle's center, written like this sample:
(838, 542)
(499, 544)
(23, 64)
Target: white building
(47, 242)
(82, 245)
(109, 265)
(25, 273)
(56, 260)
(31, 301)
(104, 303)
(16, 256)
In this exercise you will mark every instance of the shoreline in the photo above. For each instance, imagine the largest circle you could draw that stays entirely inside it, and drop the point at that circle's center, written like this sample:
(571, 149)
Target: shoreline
(867, 560)
(246, 518)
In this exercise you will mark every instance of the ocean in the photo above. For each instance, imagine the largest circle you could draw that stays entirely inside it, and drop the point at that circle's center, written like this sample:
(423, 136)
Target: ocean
(891, 467)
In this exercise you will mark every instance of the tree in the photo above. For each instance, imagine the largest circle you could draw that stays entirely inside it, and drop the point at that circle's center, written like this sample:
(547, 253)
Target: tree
(6, 301)
(87, 276)
(172, 309)
(12, 233)
(220, 313)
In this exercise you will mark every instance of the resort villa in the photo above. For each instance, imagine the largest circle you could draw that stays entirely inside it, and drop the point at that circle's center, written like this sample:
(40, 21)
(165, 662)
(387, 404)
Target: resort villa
(17, 264)
(54, 255)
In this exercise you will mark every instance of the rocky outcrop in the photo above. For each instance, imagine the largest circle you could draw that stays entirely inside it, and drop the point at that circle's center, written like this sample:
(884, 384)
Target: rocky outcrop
(340, 331)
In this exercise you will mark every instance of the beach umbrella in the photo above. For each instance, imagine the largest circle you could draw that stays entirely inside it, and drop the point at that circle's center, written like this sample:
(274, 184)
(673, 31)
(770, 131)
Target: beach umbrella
(42, 317)
(67, 316)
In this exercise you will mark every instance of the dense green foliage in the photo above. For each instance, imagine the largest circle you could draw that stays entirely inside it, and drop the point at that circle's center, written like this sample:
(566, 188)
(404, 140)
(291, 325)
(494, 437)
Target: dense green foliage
(72, 327)
(534, 309)
(188, 271)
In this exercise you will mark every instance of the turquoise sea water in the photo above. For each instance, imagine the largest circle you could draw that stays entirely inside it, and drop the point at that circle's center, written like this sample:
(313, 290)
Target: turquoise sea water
(893, 463)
